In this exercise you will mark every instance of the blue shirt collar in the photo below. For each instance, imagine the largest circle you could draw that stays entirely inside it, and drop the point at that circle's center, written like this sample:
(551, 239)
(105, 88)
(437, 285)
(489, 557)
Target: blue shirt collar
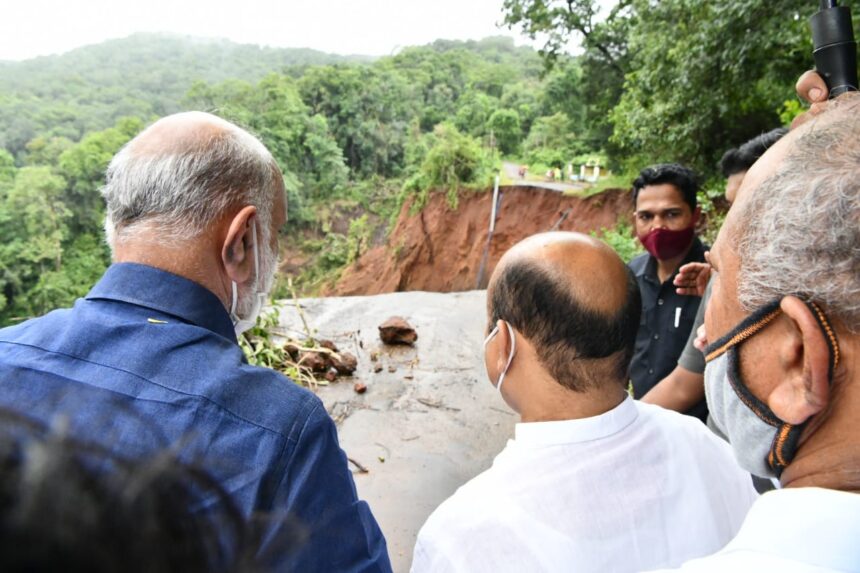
(165, 292)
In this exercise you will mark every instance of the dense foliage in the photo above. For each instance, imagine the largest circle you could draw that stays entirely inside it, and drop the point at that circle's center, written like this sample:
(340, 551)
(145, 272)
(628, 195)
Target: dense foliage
(359, 136)
(667, 80)
(678, 80)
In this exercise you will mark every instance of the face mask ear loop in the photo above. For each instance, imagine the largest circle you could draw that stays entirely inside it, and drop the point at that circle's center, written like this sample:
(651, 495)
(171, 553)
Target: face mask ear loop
(788, 440)
(510, 356)
(256, 256)
(235, 299)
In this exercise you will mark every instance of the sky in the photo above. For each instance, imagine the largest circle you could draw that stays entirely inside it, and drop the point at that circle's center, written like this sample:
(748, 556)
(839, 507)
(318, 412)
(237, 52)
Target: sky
(30, 28)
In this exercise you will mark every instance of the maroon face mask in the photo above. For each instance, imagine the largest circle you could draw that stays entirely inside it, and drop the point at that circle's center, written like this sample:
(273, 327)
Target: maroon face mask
(665, 244)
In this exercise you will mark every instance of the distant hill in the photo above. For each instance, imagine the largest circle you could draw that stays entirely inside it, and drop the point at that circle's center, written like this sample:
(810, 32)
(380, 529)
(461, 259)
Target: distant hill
(142, 75)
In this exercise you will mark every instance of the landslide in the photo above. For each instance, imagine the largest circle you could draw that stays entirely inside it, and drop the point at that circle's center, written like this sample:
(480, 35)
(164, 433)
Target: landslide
(440, 249)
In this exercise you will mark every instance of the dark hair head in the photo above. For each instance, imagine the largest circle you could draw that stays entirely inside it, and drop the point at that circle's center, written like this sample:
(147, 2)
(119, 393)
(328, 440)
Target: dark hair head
(581, 348)
(740, 159)
(73, 507)
(683, 178)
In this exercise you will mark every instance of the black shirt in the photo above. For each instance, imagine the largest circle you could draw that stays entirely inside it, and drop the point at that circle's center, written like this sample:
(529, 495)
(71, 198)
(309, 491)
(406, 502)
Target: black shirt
(667, 319)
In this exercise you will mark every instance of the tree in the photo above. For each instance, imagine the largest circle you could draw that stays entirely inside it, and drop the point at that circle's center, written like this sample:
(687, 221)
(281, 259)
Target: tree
(505, 127)
(7, 169)
(33, 223)
(599, 72)
(451, 160)
(719, 78)
(83, 166)
(557, 21)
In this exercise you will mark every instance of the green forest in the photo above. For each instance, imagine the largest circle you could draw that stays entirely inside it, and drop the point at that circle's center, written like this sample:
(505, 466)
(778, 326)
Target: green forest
(674, 80)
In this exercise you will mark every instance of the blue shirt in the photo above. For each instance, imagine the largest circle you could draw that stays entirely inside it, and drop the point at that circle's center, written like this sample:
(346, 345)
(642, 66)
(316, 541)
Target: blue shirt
(149, 360)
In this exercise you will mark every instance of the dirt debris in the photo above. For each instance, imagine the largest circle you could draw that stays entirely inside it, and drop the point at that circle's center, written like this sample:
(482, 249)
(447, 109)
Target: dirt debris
(345, 363)
(434, 249)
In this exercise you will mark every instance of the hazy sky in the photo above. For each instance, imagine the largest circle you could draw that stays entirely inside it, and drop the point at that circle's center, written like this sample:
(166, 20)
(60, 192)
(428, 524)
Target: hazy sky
(30, 28)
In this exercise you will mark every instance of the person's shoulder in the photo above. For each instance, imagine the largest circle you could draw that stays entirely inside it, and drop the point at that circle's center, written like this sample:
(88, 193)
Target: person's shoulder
(681, 425)
(689, 432)
(267, 398)
(42, 324)
(639, 263)
(467, 507)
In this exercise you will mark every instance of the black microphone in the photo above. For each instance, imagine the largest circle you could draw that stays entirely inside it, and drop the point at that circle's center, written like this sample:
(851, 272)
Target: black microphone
(834, 47)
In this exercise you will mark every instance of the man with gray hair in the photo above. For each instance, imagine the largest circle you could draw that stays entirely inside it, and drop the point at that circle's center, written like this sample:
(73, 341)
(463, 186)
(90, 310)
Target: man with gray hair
(193, 208)
(783, 373)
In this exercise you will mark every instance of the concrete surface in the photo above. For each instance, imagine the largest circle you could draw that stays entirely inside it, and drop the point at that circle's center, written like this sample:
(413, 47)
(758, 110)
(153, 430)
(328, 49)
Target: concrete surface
(425, 428)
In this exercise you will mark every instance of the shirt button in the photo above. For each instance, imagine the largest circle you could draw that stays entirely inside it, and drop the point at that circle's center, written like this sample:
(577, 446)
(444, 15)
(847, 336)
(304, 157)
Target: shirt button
(660, 301)
(650, 371)
(656, 337)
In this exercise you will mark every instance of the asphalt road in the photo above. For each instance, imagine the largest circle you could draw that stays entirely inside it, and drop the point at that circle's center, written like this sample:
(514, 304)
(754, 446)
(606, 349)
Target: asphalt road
(429, 421)
(512, 171)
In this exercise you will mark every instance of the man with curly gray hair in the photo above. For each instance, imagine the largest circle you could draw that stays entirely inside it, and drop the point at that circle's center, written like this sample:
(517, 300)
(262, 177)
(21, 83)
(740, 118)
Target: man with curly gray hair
(783, 374)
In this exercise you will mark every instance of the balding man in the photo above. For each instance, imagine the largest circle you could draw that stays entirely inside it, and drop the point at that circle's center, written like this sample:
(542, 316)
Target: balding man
(193, 208)
(593, 480)
(783, 373)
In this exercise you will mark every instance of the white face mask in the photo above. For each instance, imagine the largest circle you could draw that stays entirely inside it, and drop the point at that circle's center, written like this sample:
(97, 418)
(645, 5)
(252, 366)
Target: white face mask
(259, 297)
(487, 340)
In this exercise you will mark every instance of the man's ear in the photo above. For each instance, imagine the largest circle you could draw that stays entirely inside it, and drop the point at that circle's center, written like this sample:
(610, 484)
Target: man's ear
(803, 389)
(503, 345)
(236, 251)
(697, 214)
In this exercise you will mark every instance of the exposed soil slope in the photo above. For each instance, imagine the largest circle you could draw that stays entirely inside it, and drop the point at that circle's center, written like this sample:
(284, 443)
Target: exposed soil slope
(440, 249)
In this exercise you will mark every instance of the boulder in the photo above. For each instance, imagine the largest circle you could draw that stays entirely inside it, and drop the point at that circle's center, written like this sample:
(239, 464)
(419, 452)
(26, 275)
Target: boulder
(396, 330)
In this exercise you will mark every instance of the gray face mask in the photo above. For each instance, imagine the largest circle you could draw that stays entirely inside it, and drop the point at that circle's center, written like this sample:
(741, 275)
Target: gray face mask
(750, 436)
(763, 444)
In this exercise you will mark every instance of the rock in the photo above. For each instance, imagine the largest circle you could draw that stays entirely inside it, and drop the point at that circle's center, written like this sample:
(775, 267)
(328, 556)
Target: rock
(396, 330)
(360, 388)
(408, 377)
(328, 344)
(392, 368)
(316, 361)
(292, 349)
(377, 368)
(345, 363)
(331, 374)
(374, 356)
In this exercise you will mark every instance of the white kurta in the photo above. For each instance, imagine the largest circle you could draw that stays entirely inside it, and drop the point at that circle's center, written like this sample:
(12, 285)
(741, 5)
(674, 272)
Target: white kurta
(803, 530)
(638, 487)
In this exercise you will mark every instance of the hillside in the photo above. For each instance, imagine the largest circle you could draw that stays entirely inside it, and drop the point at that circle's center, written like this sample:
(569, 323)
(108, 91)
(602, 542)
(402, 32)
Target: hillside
(440, 249)
(355, 140)
(143, 75)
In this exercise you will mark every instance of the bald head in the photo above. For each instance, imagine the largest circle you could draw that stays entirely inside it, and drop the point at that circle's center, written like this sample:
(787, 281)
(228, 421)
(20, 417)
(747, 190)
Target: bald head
(576, 302)
(185, 172)
(188, 132)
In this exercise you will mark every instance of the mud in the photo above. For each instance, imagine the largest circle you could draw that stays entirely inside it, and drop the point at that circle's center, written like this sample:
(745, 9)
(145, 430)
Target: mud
(429, 420)
(441, 249)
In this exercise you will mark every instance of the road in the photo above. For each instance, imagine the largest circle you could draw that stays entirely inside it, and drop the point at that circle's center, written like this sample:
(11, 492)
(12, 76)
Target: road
(429, 421)
(511, 170)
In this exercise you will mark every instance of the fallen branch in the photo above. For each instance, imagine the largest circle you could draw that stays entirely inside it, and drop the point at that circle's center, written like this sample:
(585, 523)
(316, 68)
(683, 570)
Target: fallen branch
(439, 405)
(361, 468)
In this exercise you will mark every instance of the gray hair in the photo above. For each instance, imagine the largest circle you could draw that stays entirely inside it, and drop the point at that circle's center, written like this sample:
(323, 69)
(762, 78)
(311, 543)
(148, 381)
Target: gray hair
(181, 190)
(799, 233)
